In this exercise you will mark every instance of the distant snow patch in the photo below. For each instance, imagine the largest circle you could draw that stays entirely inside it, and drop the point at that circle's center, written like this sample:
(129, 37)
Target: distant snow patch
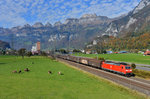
(57, 37)
(17, 35)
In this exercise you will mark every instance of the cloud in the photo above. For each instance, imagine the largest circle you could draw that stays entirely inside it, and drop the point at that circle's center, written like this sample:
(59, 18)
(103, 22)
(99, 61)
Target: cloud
(19, 12)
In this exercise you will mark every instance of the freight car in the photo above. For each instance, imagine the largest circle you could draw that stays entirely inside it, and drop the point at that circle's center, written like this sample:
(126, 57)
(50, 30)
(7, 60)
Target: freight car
(120, 68)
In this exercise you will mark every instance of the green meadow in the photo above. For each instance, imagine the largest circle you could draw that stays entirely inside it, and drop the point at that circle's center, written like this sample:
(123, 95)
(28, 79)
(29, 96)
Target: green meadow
(133, 58)
(38, 84)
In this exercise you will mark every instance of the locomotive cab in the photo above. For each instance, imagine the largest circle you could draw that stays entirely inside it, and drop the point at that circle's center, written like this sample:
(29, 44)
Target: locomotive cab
(127, 70)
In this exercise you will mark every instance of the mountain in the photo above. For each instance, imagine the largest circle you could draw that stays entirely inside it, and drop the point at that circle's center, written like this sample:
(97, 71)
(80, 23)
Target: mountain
(4, 45)
(76, 32)
(131, 31)
(38, 25)
(134, 23)
(72, 33)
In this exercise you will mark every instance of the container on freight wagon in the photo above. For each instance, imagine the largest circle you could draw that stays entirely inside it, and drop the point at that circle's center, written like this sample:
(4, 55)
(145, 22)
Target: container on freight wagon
(95, 63)
(84, 61)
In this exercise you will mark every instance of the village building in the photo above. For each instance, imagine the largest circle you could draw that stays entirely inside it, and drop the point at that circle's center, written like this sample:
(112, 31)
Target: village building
(94, 42)
(147, 53)
(36, 48)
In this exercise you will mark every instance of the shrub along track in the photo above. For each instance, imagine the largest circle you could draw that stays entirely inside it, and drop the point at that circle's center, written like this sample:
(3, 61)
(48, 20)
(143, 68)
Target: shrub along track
(137, 84)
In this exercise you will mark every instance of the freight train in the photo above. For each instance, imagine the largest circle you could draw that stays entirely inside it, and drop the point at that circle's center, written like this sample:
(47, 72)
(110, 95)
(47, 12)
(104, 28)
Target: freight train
(115, 67)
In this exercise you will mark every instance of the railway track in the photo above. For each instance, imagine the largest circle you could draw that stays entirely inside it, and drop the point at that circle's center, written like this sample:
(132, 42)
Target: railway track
(139, 85)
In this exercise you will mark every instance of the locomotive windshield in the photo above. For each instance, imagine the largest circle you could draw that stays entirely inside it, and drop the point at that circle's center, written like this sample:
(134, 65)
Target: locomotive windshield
(123, 63)
(127, 67)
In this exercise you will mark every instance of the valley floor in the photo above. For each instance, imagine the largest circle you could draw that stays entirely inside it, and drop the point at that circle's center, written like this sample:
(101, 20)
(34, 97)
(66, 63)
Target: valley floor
(38, 84)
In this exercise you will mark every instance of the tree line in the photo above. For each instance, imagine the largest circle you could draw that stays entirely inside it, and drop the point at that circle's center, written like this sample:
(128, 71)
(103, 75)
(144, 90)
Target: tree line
(141, 42)
(132, 44)
(21, 52)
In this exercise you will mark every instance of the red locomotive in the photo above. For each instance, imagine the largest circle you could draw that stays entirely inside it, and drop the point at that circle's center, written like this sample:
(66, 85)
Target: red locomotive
(120, 68)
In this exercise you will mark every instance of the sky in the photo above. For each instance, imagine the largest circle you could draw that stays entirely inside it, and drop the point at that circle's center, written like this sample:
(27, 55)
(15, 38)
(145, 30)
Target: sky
(19, 12)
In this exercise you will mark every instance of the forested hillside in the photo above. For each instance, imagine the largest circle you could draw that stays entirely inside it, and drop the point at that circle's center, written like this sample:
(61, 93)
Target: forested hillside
(140, 43)
(132, 44)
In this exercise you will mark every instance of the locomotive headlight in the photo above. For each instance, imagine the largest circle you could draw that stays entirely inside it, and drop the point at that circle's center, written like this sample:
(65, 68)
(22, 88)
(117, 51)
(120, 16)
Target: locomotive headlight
(126, 70)
(131, 70)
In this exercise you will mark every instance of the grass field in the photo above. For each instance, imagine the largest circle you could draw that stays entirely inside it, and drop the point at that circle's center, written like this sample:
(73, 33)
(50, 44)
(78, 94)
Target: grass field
(38, 84)
(133, 58)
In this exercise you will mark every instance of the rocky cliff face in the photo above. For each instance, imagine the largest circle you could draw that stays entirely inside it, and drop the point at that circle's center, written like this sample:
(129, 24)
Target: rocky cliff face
(73, 32)
(136, 21)
(89, 19)
(133, 24)
(141, 5)
(38, 25)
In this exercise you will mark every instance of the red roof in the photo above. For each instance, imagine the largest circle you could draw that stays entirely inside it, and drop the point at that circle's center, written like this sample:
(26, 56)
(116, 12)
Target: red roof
(147, 53)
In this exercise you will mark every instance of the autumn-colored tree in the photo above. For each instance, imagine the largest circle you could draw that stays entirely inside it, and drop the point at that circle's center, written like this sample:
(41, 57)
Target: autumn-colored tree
(22, 52)
(29, 54)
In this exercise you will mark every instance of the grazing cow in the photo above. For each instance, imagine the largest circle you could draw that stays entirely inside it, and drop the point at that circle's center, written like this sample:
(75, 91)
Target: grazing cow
(49, 72)
(60, 73)
(14, 71)
(26, 70)
(19, 71)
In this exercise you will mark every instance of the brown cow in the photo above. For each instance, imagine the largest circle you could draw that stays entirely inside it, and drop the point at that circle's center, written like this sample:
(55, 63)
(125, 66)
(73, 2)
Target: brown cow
(14, 71)
(26, 70)
(60, 73)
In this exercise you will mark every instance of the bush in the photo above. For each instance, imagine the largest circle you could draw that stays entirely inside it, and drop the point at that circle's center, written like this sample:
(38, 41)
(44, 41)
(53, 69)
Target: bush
(29, 53)
(133, 66)
(63, 51)
(95, 57)
(43, 53)
(104, 52)
(141, 73)
(22, 52)
(76, 51)
(101, 58)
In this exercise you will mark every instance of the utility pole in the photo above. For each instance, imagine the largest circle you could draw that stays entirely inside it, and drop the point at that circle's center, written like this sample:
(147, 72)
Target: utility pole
(68, 43)
(55, 44)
